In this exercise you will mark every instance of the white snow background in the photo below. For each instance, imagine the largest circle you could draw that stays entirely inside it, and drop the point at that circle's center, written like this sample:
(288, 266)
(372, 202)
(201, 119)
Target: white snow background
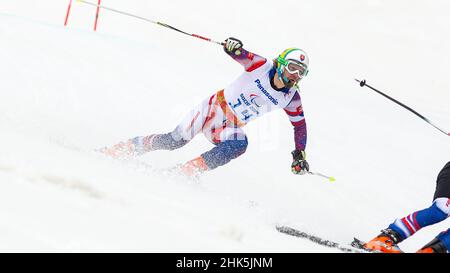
(66, 91)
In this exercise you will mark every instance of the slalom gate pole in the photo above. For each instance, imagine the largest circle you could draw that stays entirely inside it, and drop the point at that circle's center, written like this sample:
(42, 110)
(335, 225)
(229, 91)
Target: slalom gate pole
(68, 12)
(151, 21)
(363, 83)
(96, 14)
(330, 178)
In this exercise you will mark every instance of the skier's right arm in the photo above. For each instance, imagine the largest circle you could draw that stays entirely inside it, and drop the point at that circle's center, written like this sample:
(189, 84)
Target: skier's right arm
(249, 60)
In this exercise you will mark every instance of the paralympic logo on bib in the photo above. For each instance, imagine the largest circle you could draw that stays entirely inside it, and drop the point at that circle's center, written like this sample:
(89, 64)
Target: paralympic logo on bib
(253, 100)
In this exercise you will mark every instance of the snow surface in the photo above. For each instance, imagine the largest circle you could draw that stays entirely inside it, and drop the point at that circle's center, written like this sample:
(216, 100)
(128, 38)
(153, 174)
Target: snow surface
(66, 91)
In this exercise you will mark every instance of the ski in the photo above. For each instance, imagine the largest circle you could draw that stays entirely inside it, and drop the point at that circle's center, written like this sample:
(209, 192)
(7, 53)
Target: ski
(297, 233)
(359, 244)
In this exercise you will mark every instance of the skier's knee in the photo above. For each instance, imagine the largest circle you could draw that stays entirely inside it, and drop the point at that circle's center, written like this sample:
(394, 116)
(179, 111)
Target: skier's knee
(224, 152)
(237, 147)
(244, 146)
(237, 144)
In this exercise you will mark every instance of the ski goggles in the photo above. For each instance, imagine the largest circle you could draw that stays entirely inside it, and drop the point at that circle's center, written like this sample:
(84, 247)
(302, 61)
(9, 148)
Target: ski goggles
(294, 67)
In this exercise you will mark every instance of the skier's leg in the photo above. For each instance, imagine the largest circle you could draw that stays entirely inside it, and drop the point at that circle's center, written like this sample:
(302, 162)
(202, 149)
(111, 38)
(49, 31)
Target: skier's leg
(405, 227)
(190, 126)
(169, 141)
(233, 143)
(409, 225)
(440, 244)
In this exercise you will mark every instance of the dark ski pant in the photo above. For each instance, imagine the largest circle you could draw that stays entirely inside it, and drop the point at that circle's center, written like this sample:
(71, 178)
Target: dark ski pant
(443, 183)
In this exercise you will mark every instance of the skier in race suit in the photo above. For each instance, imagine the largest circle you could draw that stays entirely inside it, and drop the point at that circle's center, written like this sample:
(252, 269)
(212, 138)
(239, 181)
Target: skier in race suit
(405, 227)
(266, 85)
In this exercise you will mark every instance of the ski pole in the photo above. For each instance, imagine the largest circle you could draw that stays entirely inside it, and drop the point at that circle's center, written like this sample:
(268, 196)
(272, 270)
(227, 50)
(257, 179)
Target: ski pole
(68, 13)
(330, 178)
(363, 83)
(151, 21)
(96, 15)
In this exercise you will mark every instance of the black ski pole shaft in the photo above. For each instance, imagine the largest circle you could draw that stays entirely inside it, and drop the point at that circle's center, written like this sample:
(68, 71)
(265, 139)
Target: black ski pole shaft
(363, 83)
(151, 21)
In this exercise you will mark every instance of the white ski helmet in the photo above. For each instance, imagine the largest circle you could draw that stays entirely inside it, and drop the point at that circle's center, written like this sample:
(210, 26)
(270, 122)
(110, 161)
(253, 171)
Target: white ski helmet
(292, 55)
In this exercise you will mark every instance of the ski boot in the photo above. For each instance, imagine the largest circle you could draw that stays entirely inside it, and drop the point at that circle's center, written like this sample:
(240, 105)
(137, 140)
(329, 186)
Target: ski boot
(386, 242)
(193, 168)
(435, 246)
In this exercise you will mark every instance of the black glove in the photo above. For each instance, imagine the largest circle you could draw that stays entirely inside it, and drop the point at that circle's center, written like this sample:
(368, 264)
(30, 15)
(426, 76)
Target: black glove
(299, 164)
(233, 45)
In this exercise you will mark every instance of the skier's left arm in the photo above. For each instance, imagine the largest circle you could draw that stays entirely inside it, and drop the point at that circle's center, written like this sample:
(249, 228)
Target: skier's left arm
(294, 110)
